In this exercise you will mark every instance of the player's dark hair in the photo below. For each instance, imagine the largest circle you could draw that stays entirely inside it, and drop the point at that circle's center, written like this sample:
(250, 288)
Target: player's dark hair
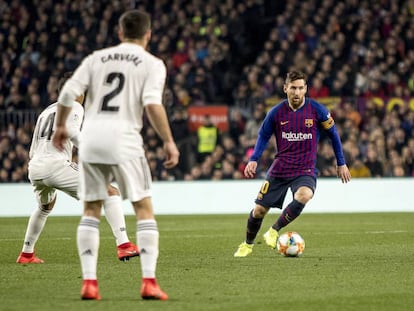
(135, 24)
(295, 75)
(63, 80)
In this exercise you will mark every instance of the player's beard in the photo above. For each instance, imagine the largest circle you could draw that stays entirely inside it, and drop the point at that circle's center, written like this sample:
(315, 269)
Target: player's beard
(295, 101)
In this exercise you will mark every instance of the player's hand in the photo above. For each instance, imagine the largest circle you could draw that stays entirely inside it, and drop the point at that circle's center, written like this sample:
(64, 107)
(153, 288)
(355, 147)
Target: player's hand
(250, 169)
(172, 154)
(343, 173)
(59, 137)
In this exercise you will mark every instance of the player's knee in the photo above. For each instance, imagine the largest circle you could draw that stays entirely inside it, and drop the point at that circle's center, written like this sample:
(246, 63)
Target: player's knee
(49, 206)
(92, 208)
(303, 195)
(260, 211)
(143, 209)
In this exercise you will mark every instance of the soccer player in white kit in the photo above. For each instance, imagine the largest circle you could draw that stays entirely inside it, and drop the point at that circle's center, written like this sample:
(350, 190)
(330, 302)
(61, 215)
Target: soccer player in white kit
(122, 81)
(51, 170)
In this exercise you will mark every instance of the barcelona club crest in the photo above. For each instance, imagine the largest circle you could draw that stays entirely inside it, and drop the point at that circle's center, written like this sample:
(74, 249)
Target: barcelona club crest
(308, 122)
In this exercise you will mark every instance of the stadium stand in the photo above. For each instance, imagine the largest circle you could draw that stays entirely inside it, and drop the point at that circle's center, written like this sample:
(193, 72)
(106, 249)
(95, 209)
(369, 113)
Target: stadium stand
(358, 55)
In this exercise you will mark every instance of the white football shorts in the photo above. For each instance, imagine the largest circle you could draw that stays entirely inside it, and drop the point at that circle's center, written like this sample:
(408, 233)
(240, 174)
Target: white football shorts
(64, 177)
(132, 177)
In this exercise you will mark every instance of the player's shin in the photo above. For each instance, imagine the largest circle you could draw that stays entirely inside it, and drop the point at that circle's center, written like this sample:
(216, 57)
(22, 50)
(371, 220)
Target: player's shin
(88, 246)
(290, 213)
(35, 226)
(253, 226)
(116, 219)
(148, 239)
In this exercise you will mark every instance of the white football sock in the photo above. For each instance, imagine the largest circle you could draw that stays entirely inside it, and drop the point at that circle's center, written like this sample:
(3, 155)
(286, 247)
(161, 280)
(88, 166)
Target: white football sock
(35, 226)
(88, 246)
(147, 239)
(116, 219)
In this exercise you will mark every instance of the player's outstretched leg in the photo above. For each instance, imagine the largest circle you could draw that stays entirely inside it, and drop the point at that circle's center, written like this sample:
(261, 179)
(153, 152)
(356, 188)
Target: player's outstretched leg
(244, 250)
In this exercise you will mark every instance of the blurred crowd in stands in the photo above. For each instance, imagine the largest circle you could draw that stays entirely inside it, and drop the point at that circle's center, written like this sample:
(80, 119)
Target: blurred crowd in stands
(357, 54)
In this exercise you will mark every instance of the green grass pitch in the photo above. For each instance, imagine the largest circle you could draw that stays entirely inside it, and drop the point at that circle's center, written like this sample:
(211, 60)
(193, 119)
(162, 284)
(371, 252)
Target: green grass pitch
(351, 262)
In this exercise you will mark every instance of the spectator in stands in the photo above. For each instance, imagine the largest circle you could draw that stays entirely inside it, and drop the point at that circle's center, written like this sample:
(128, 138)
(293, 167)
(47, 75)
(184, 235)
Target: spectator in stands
(394, 161)
(407, 155)
(372, 163)
(352, 114)
(181, 55)
(208, 136)
(206, 170)
(217, 174)
(325, 161)
(398, 171)
(4, 176)
(182, 136)
(237, 124)
(253, 124)
(195, 173)
(317, 89)
(228, 169)
(358, 169)
(241, 97)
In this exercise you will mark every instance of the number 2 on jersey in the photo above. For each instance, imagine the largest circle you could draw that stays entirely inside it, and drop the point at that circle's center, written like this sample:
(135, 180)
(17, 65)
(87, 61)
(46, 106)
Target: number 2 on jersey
(111, 78)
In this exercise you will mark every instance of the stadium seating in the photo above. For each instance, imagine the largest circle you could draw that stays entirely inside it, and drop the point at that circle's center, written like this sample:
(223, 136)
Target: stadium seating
(233, 54)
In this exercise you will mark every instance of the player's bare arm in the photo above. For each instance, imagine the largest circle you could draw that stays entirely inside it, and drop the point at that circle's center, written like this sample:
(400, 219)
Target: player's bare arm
(159, 121)
(61, 133)
(250, 169)
(343, 173)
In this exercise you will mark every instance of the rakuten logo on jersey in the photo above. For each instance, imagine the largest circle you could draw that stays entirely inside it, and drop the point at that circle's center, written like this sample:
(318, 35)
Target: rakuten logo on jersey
(290, 136)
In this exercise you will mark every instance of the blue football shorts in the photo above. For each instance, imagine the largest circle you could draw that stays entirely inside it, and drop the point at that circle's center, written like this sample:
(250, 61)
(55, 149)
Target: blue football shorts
(274, 189)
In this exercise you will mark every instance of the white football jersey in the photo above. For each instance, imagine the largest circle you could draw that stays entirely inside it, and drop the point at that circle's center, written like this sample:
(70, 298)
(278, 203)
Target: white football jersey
(42, 152)
(119, 81)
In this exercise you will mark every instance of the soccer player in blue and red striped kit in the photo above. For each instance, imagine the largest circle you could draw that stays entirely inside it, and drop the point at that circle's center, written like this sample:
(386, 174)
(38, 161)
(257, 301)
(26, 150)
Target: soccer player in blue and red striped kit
(296, 124)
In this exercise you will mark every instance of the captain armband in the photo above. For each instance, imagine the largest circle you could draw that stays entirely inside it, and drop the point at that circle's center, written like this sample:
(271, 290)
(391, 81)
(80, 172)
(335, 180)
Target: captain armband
(328, 123)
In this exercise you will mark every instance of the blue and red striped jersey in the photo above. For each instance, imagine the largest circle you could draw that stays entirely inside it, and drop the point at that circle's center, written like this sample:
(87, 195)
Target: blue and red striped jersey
(297, 136)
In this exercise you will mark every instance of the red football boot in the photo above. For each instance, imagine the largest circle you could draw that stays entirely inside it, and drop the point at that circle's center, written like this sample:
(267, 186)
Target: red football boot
(90, 290)
(25, 258)
(151, 290)
(125, 252)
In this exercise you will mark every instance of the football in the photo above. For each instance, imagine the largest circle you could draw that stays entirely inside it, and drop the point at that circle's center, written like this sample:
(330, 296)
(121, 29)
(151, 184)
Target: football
(290, 244)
